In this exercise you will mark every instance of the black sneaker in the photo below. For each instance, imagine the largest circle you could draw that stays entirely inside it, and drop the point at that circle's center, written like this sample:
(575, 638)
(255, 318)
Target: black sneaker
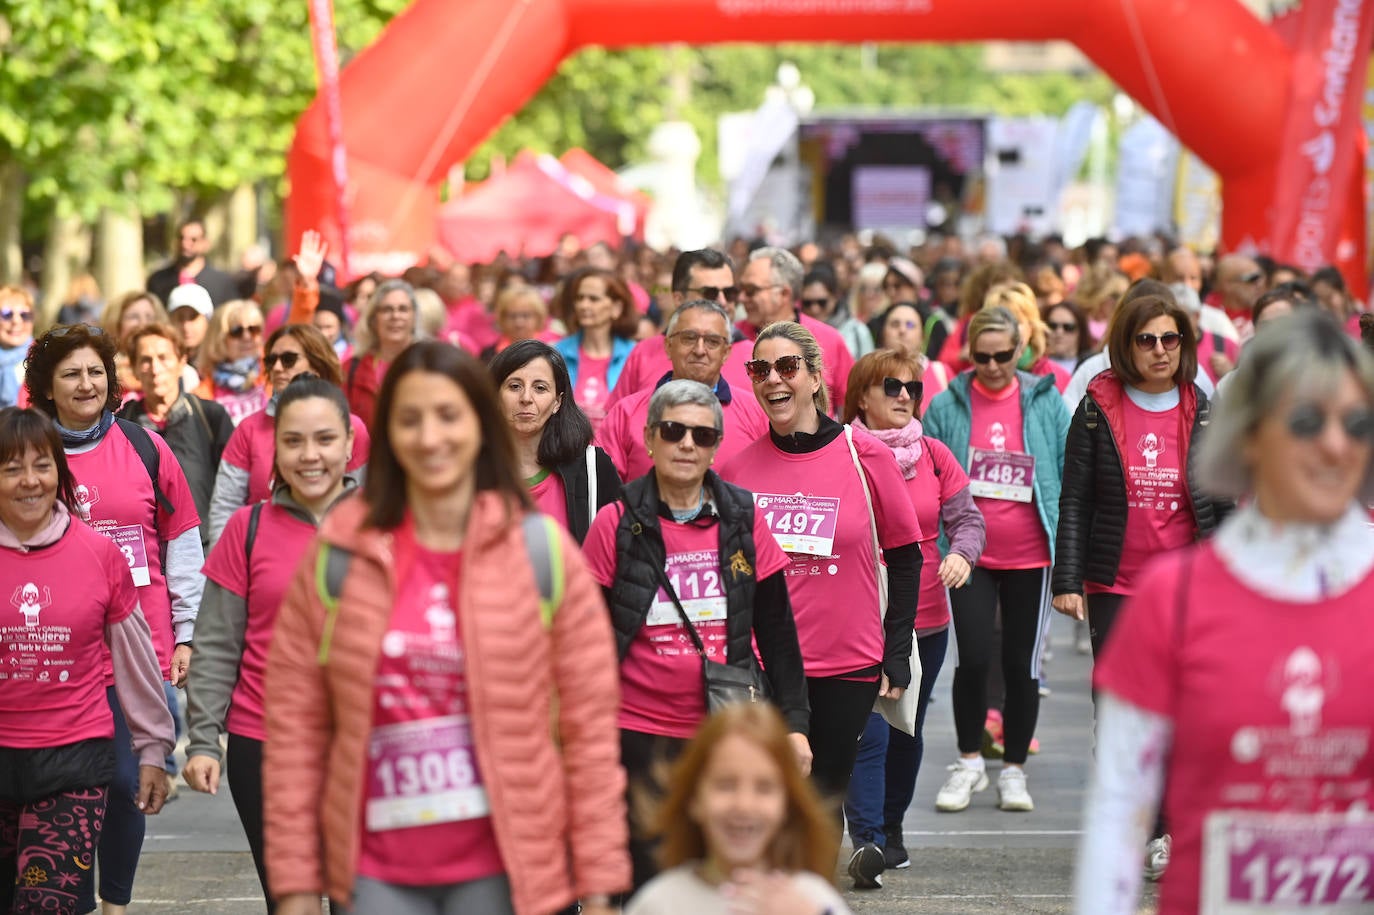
(866, 867)
(895, 856)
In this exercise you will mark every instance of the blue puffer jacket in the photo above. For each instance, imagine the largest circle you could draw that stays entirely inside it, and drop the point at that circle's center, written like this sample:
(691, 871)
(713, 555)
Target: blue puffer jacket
(1045, 426)
(571, 350)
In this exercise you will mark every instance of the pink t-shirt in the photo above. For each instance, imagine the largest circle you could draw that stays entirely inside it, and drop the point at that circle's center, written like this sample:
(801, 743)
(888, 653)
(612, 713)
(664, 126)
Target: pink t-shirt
(426, 814)
(1159, 517)
(592, 389)
(928, 492)
(1270, 704)
(648, 362)
(253, 448)
(241, 404)
(661, 689)
(116, 497)
(52, 637)
(622, 434)
(1016, 537)
(551, 498)
(277, 550)
(814, 505)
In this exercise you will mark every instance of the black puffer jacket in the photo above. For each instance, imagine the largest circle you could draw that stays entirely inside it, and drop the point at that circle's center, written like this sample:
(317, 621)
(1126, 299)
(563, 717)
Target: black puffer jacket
(1092, 502)
(577, 487)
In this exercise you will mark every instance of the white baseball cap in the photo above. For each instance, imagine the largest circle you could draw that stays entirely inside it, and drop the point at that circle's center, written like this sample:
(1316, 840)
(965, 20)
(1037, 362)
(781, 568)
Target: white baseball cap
(191, 295)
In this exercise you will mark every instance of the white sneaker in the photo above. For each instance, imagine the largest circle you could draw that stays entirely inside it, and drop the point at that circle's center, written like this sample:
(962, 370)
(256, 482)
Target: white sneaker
(1011, 790)
(957, 791)
(1157, 858)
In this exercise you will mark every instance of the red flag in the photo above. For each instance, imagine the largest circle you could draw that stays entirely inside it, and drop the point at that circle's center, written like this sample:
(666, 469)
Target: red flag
(1320, 143)
(327, 70)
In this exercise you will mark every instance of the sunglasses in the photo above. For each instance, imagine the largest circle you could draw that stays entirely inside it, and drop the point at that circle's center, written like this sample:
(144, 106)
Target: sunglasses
(9, 314)
(1308, 421)
(1065, 328)
(1147, 342)
(714, 293)
(703, 436)
(690, 339)
(63, 329)
(816, 304)
(893, 388)
(252, 330)
(787, 368)
(751, 290)
(1002, 358)
(288, 360)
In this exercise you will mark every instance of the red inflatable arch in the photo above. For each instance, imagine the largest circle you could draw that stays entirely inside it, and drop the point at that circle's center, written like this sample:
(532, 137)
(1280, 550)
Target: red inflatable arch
(445, 73)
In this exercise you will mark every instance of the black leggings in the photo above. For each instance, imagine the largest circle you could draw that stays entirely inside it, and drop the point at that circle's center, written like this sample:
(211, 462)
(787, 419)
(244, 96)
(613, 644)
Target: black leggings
(839, 714)
(243, 763)
(646, 758)
(1024, 598)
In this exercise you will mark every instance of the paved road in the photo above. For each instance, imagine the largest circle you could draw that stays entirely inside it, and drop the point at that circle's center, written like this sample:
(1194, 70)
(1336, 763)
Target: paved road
(979, 861)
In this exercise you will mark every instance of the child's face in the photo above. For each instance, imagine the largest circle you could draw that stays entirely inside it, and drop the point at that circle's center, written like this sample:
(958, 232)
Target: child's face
(740, 803)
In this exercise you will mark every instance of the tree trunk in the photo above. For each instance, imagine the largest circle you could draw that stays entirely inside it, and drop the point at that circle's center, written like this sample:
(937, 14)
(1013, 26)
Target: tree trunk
(66, 252)
(119, 252)
(241, 224)
(11, 214)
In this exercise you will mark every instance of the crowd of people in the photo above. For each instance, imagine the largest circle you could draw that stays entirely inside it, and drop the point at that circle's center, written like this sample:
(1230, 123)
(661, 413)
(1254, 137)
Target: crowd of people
(623, 579)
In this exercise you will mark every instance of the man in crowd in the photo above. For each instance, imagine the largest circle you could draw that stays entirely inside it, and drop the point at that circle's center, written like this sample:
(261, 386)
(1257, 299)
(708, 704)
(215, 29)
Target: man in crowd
(1181, 265)
(1239, 283)
(190, 266)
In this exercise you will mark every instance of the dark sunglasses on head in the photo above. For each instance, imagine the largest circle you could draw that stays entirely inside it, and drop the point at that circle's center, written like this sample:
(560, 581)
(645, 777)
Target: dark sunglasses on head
(1066, 328)
(1002, 358)
(288, 360)
(714, 293)
(815, 303)
(787, 366)
(893, 388)
(63, 329)
(703, 436)
(9, 314)
(1308, 421)
(238, 330)
(1147, 342)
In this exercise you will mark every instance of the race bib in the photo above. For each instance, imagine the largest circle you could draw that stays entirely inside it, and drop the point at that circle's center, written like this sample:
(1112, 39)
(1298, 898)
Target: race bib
(1277, 863)
(696, 579)
(1005, 475)
(801, 524)
(129, 540)
(423, 772)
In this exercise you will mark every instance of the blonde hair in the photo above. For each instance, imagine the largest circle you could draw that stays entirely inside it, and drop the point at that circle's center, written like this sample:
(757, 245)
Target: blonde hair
(810, 352)
(214, 350)
(513, 296)
(433, 315)
(114, 313)
(1019, 299)
(996, 318)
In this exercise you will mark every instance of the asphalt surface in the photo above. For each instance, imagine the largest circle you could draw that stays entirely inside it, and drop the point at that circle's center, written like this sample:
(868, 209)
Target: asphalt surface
(981, 860)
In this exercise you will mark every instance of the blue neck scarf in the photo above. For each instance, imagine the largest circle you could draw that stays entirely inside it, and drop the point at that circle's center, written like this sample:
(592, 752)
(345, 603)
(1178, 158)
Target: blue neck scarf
(71, 439)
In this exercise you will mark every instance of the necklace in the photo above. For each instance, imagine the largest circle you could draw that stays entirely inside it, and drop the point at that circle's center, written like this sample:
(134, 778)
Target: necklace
(682, 517)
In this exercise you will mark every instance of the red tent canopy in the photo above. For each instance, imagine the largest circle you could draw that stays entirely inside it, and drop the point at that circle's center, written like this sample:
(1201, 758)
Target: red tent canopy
(580, 162)
(526, 210)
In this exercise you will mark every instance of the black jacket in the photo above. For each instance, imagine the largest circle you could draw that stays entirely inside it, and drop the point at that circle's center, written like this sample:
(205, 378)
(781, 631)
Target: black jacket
(575, 484)
(1092, 501)
(755, 610)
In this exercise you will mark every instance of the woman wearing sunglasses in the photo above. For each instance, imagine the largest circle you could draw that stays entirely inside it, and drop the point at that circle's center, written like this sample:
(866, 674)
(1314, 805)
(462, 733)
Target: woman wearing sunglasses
(1007, 427)
(16, 334)
(246, 471)
(882, 399)
(681, 526)
(1241, 677)
(231, 360)
(1068, 341)
(812, 497)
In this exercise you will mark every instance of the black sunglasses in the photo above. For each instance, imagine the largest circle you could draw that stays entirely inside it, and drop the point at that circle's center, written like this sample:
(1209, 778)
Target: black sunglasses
(815, 303)
(1002, 358)
(787, 366)
(731, 293)
(893, 388)
(1147, 342)
(288, 360)
(1066, 328)
(1308, 421)
(703, 436)
(238, 330)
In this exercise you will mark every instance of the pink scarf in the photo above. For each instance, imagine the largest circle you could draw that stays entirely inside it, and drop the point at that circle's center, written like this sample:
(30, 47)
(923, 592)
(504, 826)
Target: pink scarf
(50, 534)
(904, 442)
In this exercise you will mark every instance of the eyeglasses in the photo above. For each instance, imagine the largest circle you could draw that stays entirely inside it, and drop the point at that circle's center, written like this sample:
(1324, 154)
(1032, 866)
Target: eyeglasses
(899, 324)
(10, 314)
(1307, 422)
(714, 293)
(1251, 278)
(893, 388)
(751, 290)
(1064, 328)
(1002, 358)
(239, 330)
(787, 368)
(1147, 342)
(703, 436)
(288, 360)
(817, 304)
(388, 310)
(690, 339)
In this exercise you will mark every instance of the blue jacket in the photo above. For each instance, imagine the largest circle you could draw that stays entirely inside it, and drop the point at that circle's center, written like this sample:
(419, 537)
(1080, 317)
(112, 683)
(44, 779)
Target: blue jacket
(1045, 427)
(571, 350)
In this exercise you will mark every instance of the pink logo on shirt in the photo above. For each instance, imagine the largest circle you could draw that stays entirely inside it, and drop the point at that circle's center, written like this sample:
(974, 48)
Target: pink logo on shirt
(27, 601)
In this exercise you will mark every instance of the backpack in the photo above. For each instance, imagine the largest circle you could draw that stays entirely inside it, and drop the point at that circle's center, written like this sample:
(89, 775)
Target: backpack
(143, 443)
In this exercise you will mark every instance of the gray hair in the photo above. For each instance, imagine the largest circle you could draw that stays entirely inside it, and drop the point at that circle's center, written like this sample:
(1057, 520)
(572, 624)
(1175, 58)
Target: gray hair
(684, 393)
(705, 305)
(1187, 298)
(1302, 355)
(365, 339)
(784, 266)
(994, 318)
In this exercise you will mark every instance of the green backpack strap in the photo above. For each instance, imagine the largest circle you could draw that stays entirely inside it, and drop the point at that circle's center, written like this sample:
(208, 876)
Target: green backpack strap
(331, 568)
(542, 545)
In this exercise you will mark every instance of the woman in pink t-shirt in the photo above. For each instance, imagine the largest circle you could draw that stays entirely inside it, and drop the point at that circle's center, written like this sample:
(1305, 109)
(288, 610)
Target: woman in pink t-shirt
(70, 601)
(245, 473)
(246, 575)
(814, 500)
(1242, 676)
(602, 322)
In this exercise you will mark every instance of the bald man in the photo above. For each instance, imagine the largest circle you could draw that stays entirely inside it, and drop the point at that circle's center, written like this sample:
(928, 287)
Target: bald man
(1239, 282)
(1181, 265)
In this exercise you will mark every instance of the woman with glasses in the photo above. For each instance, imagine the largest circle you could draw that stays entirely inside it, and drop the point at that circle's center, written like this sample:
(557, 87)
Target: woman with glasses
(16, 334)
(601, 333)
(231, 360)
(1241, 677)
(1007, 427)
(680, 528)
(246, 471)
(820, 299)
(883, 396)
(1069, 339)
(806, 479)
(1019, 299)
(388, 324)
